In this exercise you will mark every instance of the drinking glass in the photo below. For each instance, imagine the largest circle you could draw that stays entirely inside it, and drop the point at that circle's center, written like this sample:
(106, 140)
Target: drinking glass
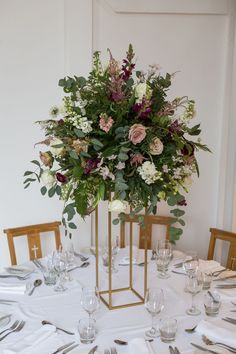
(190, 263)
(194, 286)
(212, 303)
(168, 329)
(49, 273)
(206, 280)
(90, 299)
(115, 248)
(59, 264)
(87, 330)
(154, 303)
(163, 258)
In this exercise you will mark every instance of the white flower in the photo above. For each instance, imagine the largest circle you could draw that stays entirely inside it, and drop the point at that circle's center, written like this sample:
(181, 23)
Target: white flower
(177, 173)
(165, 169)
(105, 173)
(111, 157)
(120, 165)
(48, 178)
(56, 151)
(54, 111)
(118, 206)
(141, 90)
(187, 182)
(149, 173)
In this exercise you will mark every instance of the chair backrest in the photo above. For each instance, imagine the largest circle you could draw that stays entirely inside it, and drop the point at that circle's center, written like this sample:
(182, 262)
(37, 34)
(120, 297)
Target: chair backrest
(149, 221)
(33, 237)
(228, 236)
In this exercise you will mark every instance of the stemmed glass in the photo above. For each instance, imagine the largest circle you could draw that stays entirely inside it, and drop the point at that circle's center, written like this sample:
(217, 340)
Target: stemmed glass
(154, 303)
(59, 264)
(194, 286)
(163, 258)
(90, 299)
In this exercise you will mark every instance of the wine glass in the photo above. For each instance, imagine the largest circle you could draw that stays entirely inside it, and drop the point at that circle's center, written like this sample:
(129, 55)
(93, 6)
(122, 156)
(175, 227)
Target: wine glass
(194, 286)
(154, 304)
(90, 299)
(59, 264)
(190, 264)
(163, 258)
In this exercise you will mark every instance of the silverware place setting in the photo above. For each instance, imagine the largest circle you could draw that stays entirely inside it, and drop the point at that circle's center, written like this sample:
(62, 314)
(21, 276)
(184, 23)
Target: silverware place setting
(223, 345)
(36, 284)
(14, 328)
(93, 350)
(124, 342)
(66, 348)
(191, 330)
(230, 320)
(44, 322)
(204, 349)
(83, 258)
(174, 350)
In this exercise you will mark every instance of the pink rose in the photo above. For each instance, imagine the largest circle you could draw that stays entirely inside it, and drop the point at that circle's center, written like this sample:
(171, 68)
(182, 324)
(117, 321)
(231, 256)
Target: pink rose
(156, 146)
(137, 133)
(136, 159)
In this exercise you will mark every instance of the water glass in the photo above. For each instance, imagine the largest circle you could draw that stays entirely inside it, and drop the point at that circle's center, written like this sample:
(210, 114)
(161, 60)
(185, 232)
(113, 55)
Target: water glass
(190, 263)
(154, 304)
(168, 329)
(59, 264)
(87, 330)
(206, 280)
(212, 303)
(163, 258)
(49, 274)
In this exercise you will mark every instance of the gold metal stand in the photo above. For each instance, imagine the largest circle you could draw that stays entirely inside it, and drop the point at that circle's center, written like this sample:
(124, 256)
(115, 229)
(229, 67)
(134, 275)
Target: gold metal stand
(108, 301)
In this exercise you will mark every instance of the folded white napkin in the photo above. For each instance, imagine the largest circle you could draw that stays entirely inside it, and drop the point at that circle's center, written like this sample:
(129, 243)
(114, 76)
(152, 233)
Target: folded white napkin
(219, 332)
(29, 344)
(140, 346)
(137, 255)
(227, 294)
(215, 348)
(13, 288)
(209, 266)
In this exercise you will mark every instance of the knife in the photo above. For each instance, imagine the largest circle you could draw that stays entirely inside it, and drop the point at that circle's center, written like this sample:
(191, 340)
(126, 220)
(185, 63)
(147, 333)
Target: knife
(70, 348)
(204, 348)
(63, 347)
(93, 350)
(171, 350)
(225, 278)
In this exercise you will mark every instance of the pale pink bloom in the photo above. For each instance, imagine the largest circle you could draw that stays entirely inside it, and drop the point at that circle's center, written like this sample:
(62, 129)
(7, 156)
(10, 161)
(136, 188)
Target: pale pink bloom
(137, 133)
(120, 165)
(156, 147)
(137, 159)
(105, 122)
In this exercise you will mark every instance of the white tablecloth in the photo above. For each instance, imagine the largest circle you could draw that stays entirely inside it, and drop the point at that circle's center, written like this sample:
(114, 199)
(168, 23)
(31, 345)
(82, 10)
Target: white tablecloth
(64, 310)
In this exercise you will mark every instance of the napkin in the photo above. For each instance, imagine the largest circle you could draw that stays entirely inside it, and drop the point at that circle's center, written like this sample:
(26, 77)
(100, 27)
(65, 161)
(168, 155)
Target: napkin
(29, 344)
(13, 288)
(209, 266)
(227, 294)
(125, 259)
(215, 348)
(140, 346)
(217, 332)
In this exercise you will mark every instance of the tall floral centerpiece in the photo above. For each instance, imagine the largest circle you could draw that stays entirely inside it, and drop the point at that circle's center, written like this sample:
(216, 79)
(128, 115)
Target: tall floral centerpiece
(116, 133)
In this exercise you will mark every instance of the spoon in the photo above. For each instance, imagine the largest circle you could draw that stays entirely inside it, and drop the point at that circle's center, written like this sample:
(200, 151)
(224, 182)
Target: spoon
(123, 342)
(37, 283)
(190, 330)
(83, 265)
(213, 298)
(58, 328)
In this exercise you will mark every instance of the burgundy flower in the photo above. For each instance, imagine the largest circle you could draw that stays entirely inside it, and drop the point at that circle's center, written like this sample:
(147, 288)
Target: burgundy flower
(143, 109)
(182, 202)
(61, 178)
(91, 164)
(188, 150)
(60, 121)
(175, 128)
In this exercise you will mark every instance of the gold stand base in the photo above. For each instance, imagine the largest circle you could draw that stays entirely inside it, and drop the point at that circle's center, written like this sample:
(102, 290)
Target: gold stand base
(110, 292)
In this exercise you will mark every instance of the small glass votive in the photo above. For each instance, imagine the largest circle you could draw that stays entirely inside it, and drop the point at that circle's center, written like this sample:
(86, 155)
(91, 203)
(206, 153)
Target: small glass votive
(212, 303)
(168, 329)
(206, 280)
(87, 330)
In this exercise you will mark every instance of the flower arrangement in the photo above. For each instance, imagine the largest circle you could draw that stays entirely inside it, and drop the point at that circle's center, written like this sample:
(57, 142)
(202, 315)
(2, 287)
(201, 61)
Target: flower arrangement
(117, 134)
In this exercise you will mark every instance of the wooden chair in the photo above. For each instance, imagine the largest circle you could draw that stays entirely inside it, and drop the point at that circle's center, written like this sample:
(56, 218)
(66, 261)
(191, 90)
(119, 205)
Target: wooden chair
(228, 236)
(33, 237)
(149, 220)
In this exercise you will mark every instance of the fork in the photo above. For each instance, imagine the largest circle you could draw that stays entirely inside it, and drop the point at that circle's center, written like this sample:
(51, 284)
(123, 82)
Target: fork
(15, 324)
(230, 320)
(210, 342)
(83, 258)
(17, 329)
(14, 276)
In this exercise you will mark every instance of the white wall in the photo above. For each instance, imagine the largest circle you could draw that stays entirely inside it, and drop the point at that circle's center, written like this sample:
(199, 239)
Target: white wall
(42, 41)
